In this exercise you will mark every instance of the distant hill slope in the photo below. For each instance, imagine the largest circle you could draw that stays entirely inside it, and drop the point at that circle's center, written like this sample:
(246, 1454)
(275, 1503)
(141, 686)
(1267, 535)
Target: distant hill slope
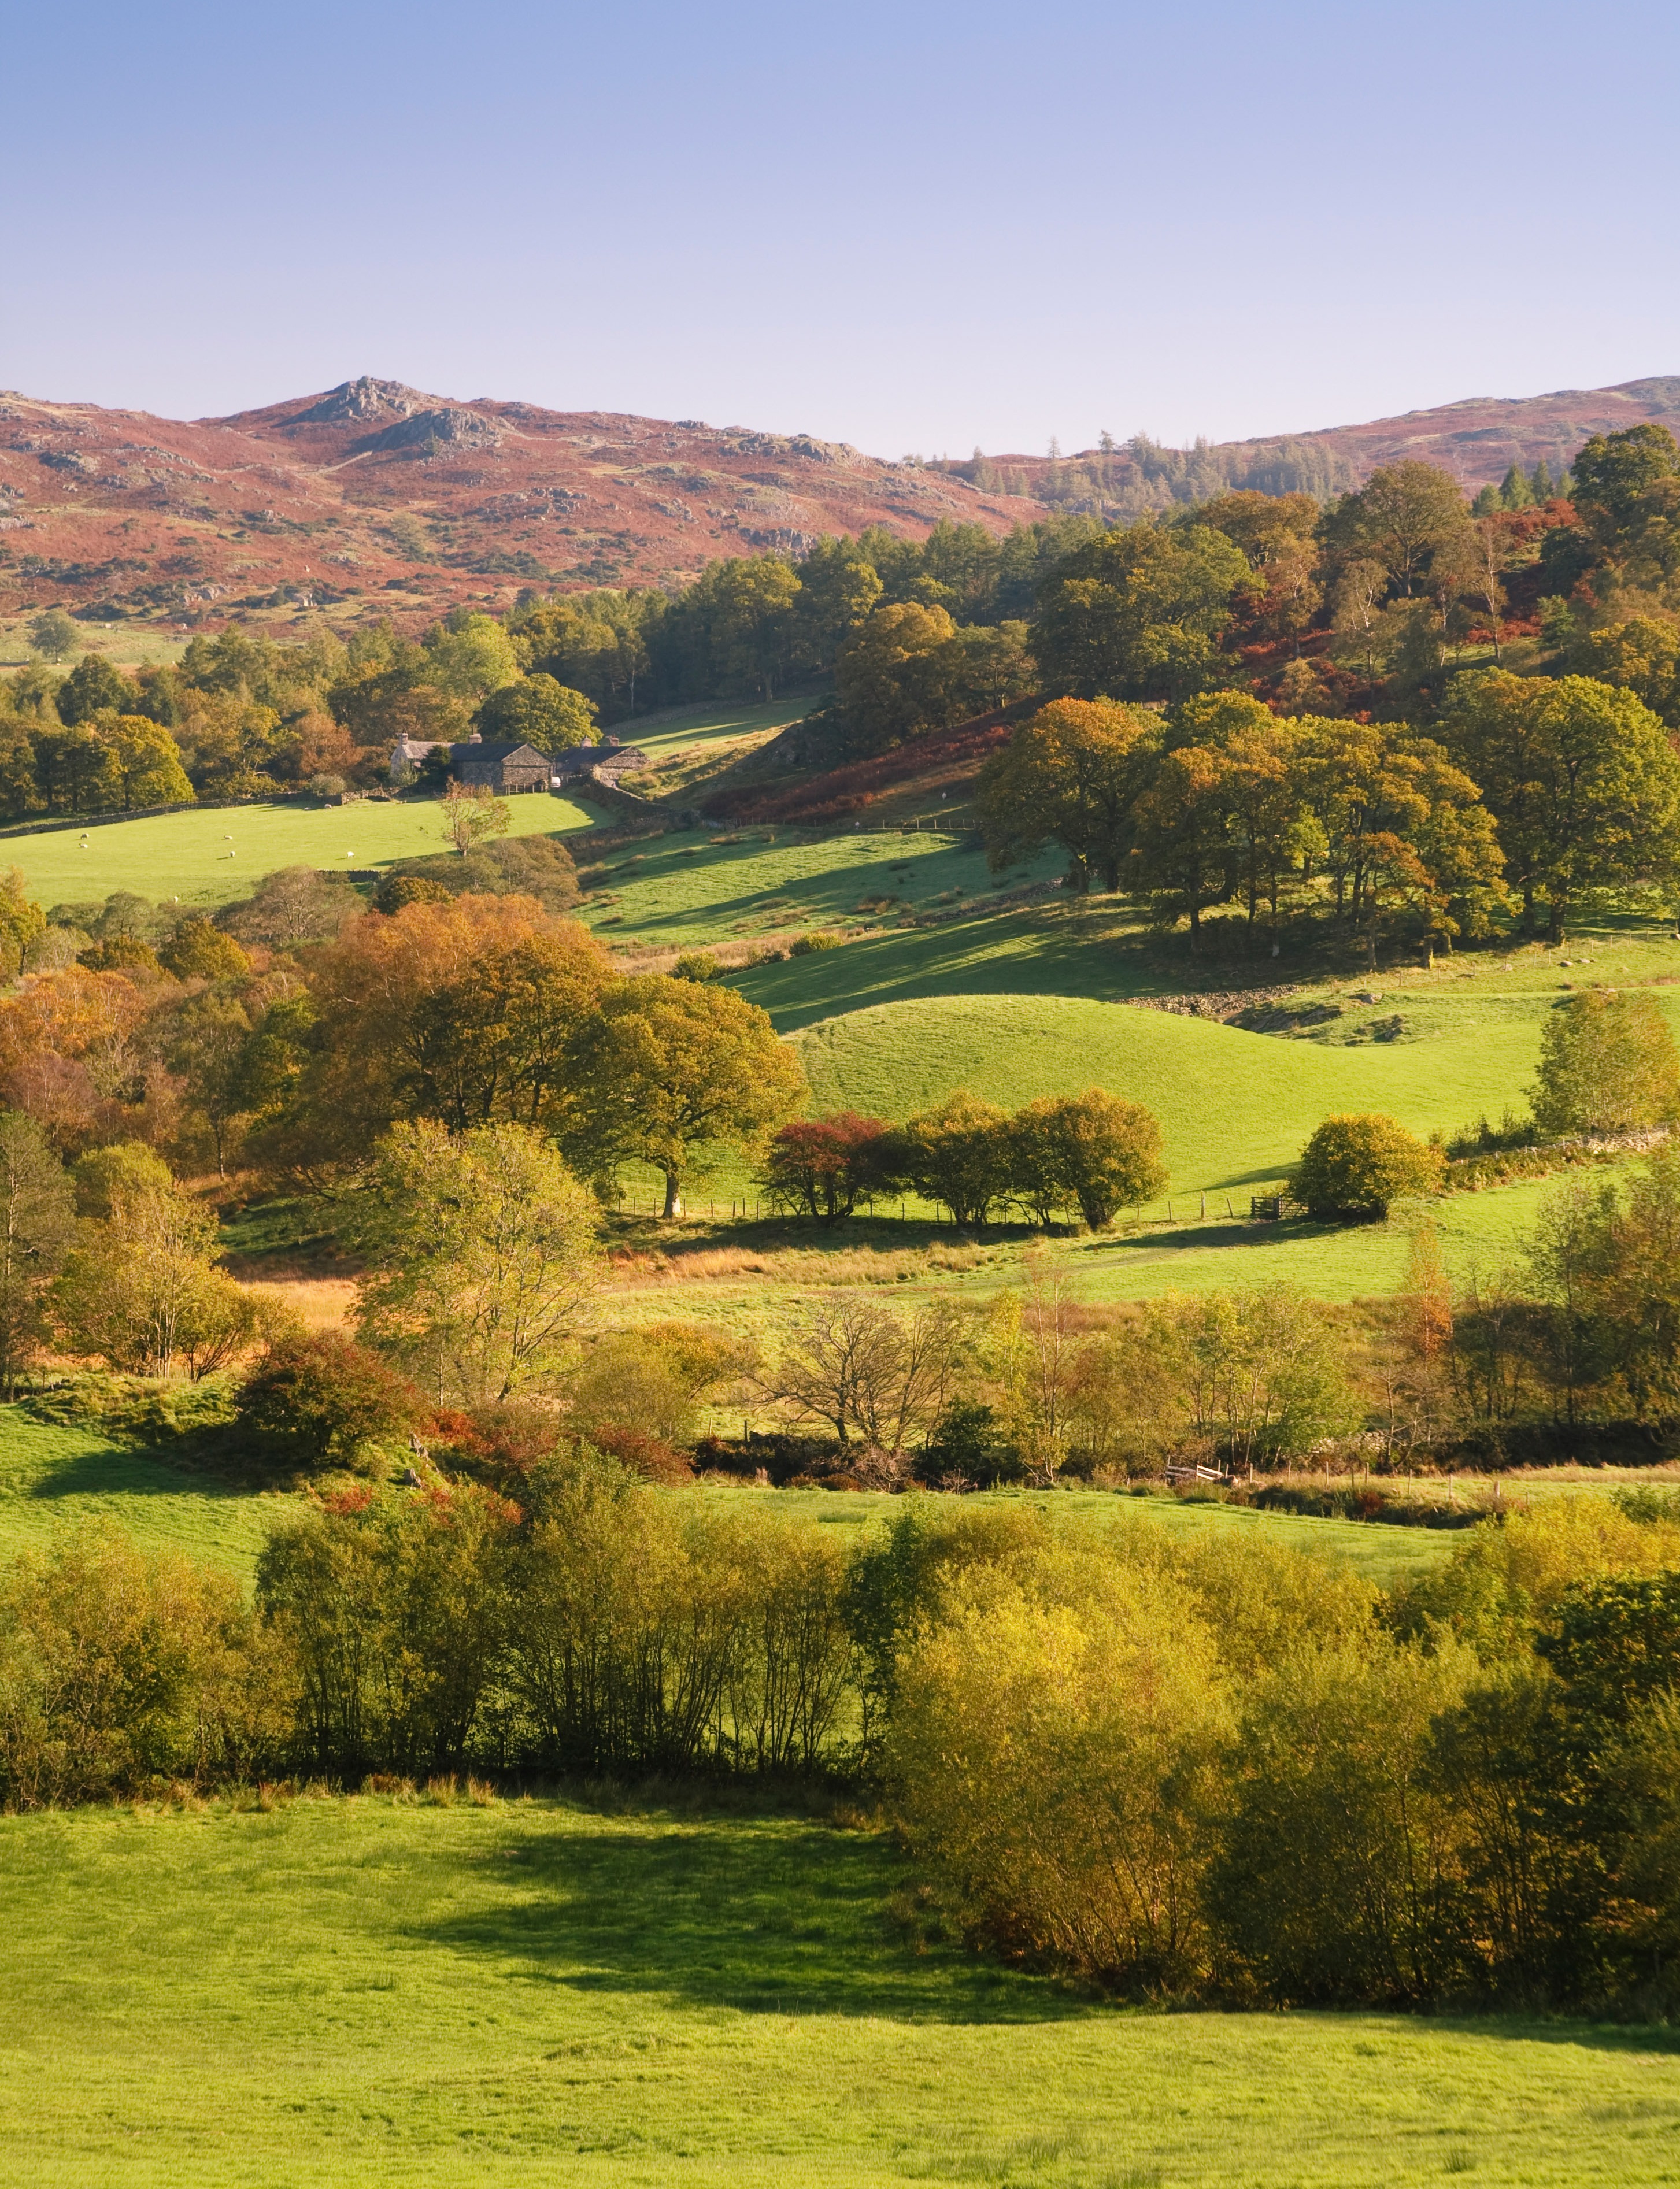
(377, 497)
(1477, 440)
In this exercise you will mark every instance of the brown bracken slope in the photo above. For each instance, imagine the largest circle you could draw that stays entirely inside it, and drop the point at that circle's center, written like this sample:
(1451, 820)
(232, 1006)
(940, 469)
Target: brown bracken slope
(377, 499)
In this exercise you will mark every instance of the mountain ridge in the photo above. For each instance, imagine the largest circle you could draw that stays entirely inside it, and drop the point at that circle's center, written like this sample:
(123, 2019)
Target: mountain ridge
(377, 497)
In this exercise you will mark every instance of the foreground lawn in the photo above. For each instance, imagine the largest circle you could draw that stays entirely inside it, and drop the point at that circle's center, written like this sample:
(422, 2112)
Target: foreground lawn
(555, 1991)
(186, 855)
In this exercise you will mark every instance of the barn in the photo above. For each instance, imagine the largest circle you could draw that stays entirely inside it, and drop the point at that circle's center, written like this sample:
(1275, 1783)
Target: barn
(501, 767)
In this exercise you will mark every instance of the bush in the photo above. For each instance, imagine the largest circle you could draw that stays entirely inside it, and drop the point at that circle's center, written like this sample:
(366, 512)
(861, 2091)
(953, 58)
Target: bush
(816, 939)
(1608, 1064)
(398, 890)
(695, 966)
(1358, 1165)
(317, 1401)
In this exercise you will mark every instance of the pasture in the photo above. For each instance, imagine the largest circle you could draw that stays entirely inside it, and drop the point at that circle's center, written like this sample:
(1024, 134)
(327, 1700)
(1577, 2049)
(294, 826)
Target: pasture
(53, 1478)
(626, 1990)
(212, 856)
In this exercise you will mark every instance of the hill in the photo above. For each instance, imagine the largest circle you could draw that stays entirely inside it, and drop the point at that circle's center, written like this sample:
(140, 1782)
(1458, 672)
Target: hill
(1477, 440)
(377, 498)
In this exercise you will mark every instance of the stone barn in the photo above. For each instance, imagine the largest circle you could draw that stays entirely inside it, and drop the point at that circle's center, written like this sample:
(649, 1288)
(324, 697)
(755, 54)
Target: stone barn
(501, 767)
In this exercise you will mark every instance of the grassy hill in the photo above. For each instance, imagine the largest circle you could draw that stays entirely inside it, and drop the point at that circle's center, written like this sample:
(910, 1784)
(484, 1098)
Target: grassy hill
(616, 1990)
(52, 1477)
(1234, 1107)
(212, 858)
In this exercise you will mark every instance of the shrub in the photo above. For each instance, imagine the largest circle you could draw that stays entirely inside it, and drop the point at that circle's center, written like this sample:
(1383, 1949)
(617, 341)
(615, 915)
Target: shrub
(815, 939)
(398, 890)
(1357, 1165)
(1608, 1064)
(695, 966)
(316, 1401)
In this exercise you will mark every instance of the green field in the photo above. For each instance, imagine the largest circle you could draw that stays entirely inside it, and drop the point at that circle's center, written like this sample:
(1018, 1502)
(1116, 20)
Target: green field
(622, 1992)
(711, 721)
(214, 856)
(52, 1479)
(698, 887)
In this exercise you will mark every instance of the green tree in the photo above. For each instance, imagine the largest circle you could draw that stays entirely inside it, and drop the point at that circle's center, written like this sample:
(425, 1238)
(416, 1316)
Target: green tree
(22, 921)
(837, 590)
(198, 950)
(472, 813)
(53, 635)
(1137, 615)
(468, 656)
(1608, 1064)
(957, 1154)
(753, 622)
(668, 1071)
(539, 712)
(1073, 775)
(1580, 779)
(1641, 656)
(93, 687)
(1359, 1164)
(142, 1293)
(1189, 859)
(875, 673)
(1402, 516)
(483, 1258)
(1624, 482)
(1095, 1153)
(148, 763)
(38, 1225)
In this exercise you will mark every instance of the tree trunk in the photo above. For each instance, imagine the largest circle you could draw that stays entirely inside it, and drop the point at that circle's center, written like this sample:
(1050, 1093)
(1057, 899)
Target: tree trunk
(673, 1207)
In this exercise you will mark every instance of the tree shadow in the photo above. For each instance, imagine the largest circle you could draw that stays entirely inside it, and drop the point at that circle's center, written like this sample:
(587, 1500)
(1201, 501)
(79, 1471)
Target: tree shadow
(773, 1916)
(1186, 1238)
(113, 1469)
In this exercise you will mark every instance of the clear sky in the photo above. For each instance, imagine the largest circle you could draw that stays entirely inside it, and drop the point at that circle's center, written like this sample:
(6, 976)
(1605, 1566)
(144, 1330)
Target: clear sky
(915, 226)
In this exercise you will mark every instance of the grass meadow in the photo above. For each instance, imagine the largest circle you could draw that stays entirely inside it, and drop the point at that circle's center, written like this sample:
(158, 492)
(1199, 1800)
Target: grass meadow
(622, 1990)
(212, 856)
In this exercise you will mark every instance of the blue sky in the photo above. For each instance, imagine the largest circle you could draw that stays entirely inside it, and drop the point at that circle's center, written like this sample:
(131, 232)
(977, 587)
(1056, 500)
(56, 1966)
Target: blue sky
(915, 227)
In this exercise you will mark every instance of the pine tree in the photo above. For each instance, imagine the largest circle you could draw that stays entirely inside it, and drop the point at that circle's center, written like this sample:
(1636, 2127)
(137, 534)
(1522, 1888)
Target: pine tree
(1514, 491)
(1542, 484)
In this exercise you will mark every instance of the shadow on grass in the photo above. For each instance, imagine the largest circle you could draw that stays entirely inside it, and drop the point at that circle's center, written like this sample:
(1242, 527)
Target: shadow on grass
(760, 1915)
(1186, 1238)
(112, 1471)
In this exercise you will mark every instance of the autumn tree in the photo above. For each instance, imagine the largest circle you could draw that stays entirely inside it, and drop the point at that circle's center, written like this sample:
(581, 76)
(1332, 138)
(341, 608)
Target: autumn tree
(462, 1012)
(1072, 775)
(875, 680)
(37, 1226)
(669, 1072)
(142, 1292)
(1403, 833)
(472, 813)
(1359, 1164)
(1580, 779)
(957, 1155)
(824, 1167)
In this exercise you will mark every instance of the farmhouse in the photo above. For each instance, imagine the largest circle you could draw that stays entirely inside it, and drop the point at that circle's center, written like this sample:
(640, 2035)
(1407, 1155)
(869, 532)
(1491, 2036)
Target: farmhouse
(605, 762)
(500, 766)
(409, 752)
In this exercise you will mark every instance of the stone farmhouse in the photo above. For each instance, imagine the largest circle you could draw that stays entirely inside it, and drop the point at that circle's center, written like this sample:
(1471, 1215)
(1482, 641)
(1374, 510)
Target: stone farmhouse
(500, 766)
(605, 762)
(504, 767)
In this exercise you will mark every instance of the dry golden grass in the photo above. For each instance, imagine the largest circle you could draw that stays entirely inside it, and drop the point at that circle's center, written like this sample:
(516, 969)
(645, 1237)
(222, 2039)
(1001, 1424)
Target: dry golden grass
(319, 1303)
